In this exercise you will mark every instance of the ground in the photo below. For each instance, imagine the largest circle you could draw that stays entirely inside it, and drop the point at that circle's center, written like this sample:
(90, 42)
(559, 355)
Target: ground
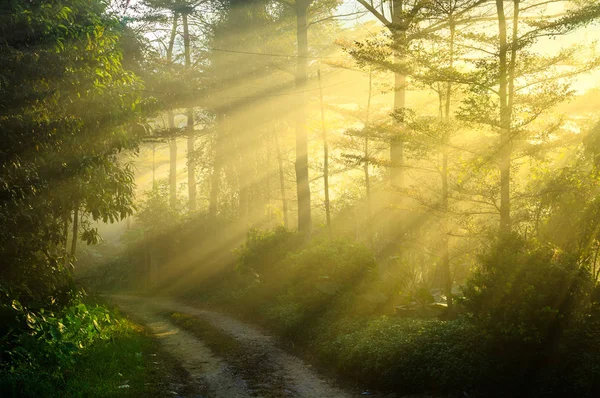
(226, 357)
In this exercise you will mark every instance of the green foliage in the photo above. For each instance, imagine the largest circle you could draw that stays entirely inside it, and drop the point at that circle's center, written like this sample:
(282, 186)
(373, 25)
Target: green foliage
(405, 354)
(264, 251)
(68, 107)
(155, 215)
(535, 307)
(79, 349)
(531, 326)
(293, 281)
(526, 293)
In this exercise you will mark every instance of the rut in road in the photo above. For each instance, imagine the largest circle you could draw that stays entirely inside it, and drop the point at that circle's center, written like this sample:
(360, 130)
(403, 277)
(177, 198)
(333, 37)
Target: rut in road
(280, 373)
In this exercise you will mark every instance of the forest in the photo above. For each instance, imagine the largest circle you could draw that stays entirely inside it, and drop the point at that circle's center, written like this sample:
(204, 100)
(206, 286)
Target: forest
(300, 198)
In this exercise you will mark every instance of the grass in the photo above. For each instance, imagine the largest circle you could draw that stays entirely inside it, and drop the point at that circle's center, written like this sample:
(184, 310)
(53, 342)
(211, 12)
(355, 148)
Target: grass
(122, 360)
(119, 367)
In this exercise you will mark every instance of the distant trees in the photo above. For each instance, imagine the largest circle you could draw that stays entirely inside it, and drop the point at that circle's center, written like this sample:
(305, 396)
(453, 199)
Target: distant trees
(245, 71)
(301, 10)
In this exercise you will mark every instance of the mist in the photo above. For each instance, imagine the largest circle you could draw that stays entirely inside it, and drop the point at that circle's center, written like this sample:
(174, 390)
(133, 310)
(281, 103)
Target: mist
(393, 197)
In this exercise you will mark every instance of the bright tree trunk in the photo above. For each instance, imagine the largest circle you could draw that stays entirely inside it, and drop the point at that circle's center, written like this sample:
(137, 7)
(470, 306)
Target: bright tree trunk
(284, 203)
(397, 144)
(215, 178)
(325, 158)
(302, 182)
(448, 279)
(366, 163)
(75, 228)
(190, 124)
(172, 163)
(504, 152)
(171, 121)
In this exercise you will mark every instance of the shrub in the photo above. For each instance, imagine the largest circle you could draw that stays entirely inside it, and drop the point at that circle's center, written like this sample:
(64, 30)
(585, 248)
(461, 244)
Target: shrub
(405, 354)
(532, 300)
(526, 293)
(323, 276)
(264, 251)
(42, 347)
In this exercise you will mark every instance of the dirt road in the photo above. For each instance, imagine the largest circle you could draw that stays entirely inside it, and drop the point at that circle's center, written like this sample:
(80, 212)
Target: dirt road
(256, 368)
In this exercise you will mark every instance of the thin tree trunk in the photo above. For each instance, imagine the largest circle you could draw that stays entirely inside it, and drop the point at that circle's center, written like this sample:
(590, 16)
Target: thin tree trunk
(302, 182)
(190, 124)
(284, 203)
(595, 260)
(75, 228)
(397, 144)
(215, 178)
(172, 163)
(172, 38)
(505, 122)
(153, 164)
(243, 182)
(191, 161)
(366, 162)
(171, 121)
(267, 166)
(325, 158)
(65, 233)
(445, 193)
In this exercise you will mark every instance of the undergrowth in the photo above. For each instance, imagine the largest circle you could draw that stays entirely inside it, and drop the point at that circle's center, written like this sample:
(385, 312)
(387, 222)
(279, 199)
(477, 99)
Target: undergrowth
(529, 322)
(80, 350)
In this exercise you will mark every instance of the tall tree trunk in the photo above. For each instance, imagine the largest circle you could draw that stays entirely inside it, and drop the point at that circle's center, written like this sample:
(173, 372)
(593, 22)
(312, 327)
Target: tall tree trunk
(75, 228)
(153, 164)
(172, 163)
(284, 203)
(190, 123)
(171, 121)
(302, 182)
(325, 157)
(448, 282)
(172, 38)
(191, 160)
(397, 144)
(244, 183)
(366, 162)
(267, 166)
(215, 178)
(505, 122)
(65, 233)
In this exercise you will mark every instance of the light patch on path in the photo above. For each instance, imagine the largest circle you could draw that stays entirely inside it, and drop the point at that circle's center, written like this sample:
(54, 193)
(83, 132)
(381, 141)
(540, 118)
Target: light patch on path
(299, 379)
(209, 371)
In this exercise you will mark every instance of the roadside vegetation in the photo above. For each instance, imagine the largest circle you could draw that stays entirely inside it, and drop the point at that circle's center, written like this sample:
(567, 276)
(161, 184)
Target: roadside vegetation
(405, 191)
(525, 324)
(81, 349)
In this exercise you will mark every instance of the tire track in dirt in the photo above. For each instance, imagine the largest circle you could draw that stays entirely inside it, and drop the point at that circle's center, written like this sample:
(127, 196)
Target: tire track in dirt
(212, 375)
(284, 374)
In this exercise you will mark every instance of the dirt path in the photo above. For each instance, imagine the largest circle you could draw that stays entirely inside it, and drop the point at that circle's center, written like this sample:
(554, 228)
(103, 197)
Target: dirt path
(279, 373)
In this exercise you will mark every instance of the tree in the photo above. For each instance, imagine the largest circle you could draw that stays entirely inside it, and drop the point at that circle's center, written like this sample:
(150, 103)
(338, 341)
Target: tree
(301, 8)
(403, 19)
(69, 108)
(519, 85)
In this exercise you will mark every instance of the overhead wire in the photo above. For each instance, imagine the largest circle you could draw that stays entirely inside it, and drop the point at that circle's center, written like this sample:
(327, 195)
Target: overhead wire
(257, 96)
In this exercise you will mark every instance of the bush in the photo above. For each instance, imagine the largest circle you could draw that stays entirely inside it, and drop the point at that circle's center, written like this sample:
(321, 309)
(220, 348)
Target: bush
(43, 348)
(526, 292)
(323, 276)
(404, 354)
(532, 300)
(264, 251)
